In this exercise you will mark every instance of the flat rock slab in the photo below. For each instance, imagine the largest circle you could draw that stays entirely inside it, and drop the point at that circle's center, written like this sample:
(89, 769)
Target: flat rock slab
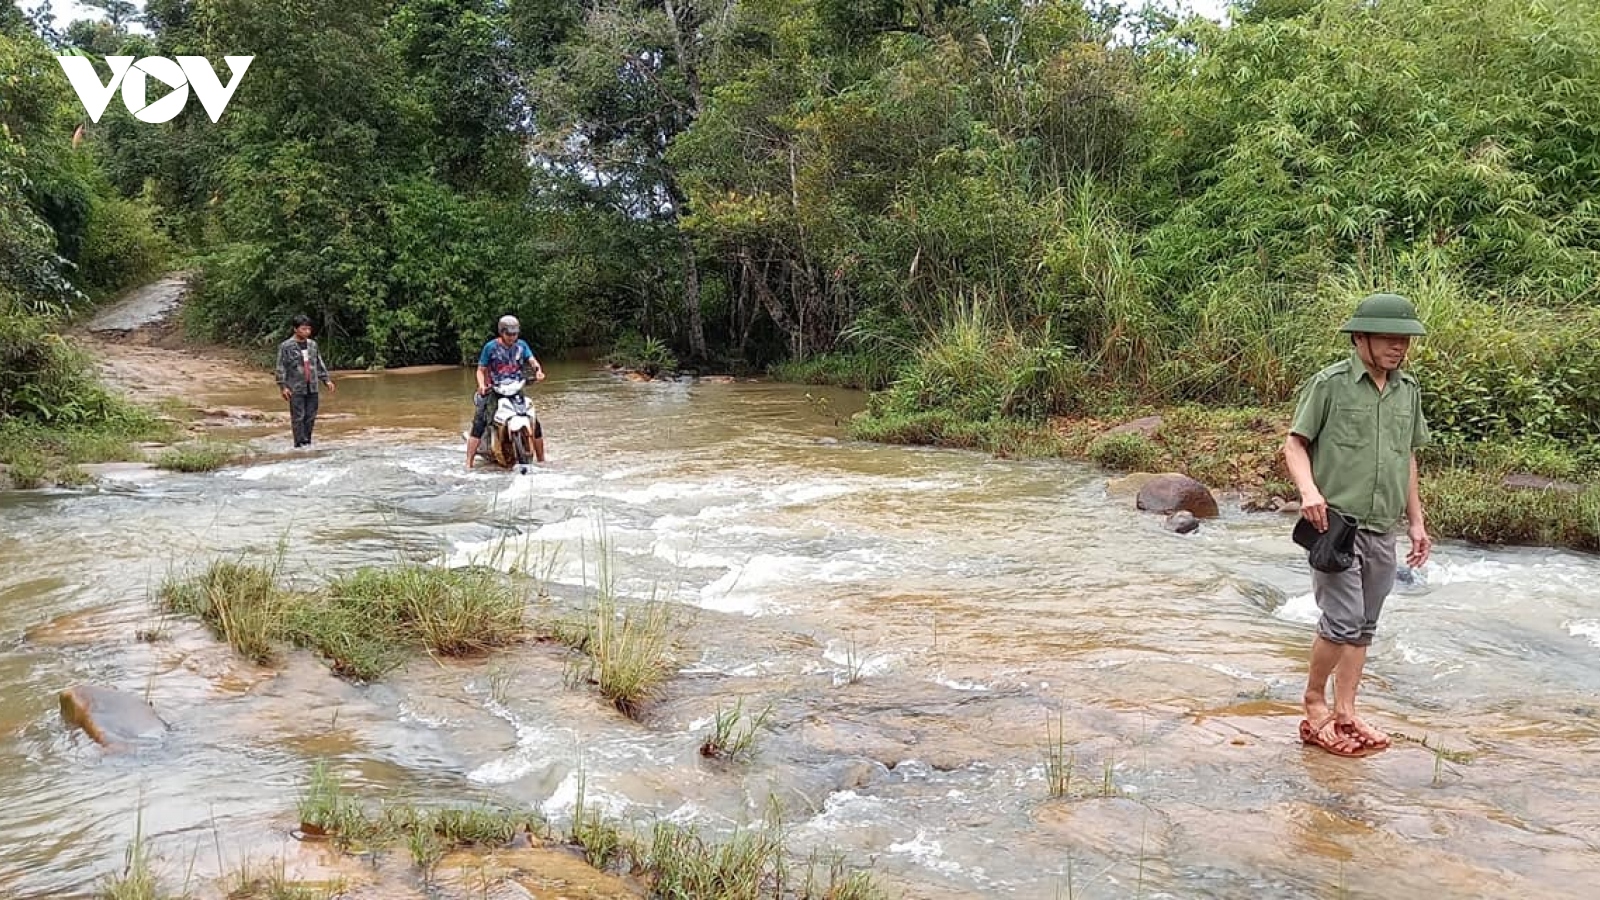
(1145, 427)
(1540, 483)
(133, 472)
(112, 718)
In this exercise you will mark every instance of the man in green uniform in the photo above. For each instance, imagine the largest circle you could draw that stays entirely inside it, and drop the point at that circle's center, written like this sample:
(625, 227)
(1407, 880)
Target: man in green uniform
(1350, 451)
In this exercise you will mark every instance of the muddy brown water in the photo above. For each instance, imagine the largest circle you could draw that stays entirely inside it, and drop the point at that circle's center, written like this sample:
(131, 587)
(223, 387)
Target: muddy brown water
(919, 621)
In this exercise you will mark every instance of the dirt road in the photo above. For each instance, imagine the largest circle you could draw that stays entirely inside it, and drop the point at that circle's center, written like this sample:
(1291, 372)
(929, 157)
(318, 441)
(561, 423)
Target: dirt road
(139, 350)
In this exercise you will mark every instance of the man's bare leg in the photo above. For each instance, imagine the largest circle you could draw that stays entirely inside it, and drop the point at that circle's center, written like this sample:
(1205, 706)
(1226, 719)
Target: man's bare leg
(1326, 657)
(1346, 681)
(472, 450)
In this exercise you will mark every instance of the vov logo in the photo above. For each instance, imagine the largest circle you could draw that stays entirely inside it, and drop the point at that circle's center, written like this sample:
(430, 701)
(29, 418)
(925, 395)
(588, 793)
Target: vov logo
(187, 72)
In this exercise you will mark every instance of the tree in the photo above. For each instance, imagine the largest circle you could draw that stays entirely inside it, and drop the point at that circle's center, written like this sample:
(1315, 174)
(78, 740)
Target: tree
(119, 13)
(617, 93)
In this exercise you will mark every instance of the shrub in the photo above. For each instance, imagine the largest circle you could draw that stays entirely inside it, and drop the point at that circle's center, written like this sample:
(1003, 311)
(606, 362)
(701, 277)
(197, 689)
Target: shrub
(122, 245)
(638, 353)
(202, 457)
(1128, 452)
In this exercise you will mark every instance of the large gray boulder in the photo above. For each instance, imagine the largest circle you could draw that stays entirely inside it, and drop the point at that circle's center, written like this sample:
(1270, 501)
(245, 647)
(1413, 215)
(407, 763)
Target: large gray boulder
(1169, 493)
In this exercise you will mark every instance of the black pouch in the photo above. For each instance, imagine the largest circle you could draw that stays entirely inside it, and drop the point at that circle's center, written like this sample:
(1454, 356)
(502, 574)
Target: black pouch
(1333, 550)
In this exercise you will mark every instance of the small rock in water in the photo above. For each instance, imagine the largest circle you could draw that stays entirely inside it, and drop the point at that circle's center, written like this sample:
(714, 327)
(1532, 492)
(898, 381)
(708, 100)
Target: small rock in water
(1182, 522)
(1407, 575)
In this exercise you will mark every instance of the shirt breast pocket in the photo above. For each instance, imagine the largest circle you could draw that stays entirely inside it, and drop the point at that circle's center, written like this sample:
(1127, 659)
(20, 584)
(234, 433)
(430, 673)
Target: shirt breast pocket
(1348, 427)
(1397, 431)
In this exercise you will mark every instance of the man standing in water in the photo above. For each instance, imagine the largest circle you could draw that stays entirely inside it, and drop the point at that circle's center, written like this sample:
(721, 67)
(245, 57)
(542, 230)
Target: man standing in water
(299, 369)
(1351, 451)
(502, 358)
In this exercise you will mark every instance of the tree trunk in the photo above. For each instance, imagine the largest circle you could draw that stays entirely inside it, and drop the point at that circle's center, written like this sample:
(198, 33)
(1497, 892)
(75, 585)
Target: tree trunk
(686, 24)
(773, 306)
(691, 298)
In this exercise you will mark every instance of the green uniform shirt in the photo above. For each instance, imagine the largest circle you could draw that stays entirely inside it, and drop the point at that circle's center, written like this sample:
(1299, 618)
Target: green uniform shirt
(1361, 440)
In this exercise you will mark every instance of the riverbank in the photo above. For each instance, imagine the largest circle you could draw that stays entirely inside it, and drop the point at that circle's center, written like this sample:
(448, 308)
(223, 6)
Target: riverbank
(149, 383)
(1499, 492)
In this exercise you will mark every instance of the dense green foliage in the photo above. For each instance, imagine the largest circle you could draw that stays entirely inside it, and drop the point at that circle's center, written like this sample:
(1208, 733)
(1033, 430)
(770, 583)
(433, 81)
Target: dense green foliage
(67, 238)
(998, 210)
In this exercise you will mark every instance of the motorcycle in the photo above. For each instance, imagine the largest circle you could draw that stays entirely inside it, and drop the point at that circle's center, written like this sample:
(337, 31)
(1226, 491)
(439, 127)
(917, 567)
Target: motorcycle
(510, 441)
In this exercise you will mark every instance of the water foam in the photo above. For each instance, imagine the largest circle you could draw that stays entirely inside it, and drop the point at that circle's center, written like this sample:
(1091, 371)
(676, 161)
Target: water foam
(564, 800)
(846, 809)
(267, 470)
(927, 852)
(1584, 628)
(755, 586)
(1300, 609)
(957, 684)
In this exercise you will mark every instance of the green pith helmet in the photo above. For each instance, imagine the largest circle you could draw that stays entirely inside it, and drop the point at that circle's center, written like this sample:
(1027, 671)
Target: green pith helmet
(1384, 314)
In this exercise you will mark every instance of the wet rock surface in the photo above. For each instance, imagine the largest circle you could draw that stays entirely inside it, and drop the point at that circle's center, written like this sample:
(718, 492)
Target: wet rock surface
(112, 718)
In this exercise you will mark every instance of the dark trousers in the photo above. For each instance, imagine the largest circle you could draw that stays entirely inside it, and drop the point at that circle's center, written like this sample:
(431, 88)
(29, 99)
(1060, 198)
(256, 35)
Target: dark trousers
(303, 415)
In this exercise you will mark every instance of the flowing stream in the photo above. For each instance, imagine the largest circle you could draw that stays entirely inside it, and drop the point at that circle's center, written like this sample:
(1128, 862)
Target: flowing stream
(924, 625)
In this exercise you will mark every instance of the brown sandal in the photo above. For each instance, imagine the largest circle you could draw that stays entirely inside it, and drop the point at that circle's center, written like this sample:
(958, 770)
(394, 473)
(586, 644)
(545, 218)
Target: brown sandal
(1313, 736)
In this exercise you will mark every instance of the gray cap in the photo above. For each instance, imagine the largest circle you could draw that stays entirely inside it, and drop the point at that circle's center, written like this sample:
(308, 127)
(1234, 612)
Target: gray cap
(509, 325)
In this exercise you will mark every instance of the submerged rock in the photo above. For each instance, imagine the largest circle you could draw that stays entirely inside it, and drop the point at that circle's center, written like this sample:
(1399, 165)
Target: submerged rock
(112, 718)
(1182, 522)
(1172, 492)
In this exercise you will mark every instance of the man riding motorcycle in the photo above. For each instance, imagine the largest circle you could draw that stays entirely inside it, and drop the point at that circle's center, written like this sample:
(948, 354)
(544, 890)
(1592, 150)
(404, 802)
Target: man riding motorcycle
(502, 359)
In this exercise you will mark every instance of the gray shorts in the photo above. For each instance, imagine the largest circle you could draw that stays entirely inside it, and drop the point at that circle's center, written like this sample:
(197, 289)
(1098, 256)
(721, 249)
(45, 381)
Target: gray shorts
(1351, 600)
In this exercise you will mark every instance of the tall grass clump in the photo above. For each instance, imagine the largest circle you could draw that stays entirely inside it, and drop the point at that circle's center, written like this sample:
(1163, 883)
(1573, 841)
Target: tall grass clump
(205, 456)
(973, 382)
(731, 740)
(627, 650)
(324, 807)
(239, 601)
(365, 623)
(1093, 279)
(978, 369)
(137, 880)
(1126, 452)
(751, 864)
(867, 370)
(452, 612)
